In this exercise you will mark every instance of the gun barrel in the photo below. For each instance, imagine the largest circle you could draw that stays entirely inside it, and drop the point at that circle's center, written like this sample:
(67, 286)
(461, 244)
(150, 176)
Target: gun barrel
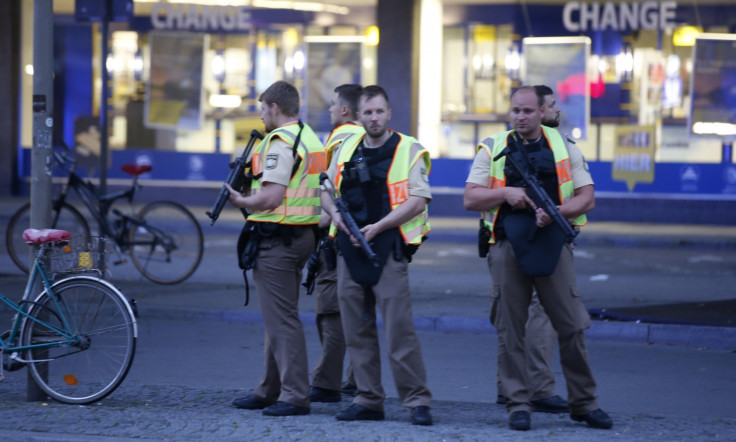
(348, 219)
(236, 170)
(355, 231)
(219, 205)
(539, 196)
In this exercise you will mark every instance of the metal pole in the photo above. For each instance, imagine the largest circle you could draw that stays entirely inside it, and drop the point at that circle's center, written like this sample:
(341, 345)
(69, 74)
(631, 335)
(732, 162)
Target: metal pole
(104, 135)
(43, 122)
(220, 77)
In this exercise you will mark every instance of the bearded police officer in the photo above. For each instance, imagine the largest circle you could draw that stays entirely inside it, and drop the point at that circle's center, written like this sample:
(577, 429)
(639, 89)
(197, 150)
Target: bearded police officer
(527, 252)
(284, 206)
(327, 374)
(382, 176)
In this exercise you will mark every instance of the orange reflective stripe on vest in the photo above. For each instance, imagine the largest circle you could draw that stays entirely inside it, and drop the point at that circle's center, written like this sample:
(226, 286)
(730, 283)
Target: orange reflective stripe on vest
(398, 192)
(564, 171)
(316, 162)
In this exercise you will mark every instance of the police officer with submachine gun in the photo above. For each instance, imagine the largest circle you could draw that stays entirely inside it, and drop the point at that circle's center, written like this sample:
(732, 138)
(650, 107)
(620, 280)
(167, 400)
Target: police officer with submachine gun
(510, 173)
(382, 176)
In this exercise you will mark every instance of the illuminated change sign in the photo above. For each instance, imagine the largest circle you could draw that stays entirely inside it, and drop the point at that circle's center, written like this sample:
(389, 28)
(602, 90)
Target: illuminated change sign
(618, 16)
(189, 17)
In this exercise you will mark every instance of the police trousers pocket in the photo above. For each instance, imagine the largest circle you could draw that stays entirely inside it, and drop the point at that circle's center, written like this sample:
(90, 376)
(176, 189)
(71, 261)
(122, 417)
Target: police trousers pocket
(582, 317)
(495, 297)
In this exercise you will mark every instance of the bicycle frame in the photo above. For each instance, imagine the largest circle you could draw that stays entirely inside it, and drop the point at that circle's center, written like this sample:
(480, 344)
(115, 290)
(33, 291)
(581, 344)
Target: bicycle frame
(77, 335)
(162, 238)
(100, 208)
(66, 336)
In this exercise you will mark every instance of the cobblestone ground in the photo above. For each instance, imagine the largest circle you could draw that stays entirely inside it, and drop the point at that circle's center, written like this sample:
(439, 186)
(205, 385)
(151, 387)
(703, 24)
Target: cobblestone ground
(183, 413)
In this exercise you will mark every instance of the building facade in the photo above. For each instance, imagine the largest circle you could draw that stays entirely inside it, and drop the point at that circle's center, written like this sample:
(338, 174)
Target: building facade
(647, 89)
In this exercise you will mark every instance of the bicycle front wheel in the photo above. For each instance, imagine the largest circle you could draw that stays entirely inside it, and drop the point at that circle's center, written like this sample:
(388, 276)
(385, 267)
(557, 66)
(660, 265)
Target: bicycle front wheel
(166, 242)
(68, 218)
(95, 357)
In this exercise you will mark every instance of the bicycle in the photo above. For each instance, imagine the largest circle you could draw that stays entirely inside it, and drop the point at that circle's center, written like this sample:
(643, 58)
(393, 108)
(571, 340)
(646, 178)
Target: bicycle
(164, 239)
(78, 335)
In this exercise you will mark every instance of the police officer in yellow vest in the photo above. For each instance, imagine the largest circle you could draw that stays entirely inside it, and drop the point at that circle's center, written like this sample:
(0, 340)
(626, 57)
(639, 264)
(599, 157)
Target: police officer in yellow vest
(284, 206)
(520, 262)
(541, 339)
(327, 374)
(383, 178)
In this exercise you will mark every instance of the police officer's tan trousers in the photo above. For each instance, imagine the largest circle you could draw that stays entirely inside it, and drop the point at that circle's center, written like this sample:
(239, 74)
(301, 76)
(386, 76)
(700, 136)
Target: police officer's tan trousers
(540, 343)
(393, 300)
(328, 371)
(511, 293)
(277, 277)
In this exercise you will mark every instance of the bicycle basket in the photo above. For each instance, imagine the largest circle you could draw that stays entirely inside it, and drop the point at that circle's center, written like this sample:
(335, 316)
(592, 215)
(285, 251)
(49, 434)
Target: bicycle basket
(77, 255)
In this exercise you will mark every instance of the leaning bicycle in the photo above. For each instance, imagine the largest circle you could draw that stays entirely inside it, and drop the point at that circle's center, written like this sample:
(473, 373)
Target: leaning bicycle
(164, 239)
(78, 335)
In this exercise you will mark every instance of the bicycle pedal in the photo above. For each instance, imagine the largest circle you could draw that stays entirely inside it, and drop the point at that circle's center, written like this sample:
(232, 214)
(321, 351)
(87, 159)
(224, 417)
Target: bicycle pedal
(122, 261)
(10, 364)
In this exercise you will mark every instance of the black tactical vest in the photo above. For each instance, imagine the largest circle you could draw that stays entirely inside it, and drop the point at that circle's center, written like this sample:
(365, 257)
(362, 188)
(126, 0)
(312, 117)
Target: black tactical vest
(366, 194)
(540, 159)
(368, 199)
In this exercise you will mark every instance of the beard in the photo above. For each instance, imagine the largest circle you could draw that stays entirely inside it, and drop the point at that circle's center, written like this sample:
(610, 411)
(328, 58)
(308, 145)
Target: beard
(375, 132)
(551, 123)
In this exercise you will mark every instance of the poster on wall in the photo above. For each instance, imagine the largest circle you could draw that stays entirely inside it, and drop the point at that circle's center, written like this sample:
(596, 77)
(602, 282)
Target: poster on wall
(713, 86)
(561, 63)
(633, 155)
(174, 89)
(331, 61)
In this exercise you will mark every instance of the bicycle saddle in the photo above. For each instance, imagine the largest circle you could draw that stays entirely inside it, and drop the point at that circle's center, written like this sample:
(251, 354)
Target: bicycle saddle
(36, 236)
(136, 169)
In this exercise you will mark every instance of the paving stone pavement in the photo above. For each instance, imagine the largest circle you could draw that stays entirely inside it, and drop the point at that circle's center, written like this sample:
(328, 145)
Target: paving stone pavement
(177, 391)
(183, 413)
(188, 410)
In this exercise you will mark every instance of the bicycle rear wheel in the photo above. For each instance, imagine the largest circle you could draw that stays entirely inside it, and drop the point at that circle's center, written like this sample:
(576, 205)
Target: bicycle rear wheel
(104, 338)
(68, 219)
(166, 242)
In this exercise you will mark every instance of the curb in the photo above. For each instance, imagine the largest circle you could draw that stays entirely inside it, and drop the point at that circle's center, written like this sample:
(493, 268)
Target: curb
(602, 239)
(722, 338)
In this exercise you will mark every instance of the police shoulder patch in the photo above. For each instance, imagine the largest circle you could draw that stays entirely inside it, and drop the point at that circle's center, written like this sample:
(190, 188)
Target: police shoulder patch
(272, 161)
(423, 171)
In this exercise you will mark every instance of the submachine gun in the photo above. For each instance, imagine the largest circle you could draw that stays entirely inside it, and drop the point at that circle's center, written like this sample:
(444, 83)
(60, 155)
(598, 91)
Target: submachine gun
(236, 178)
(352, 226)
(535, 191)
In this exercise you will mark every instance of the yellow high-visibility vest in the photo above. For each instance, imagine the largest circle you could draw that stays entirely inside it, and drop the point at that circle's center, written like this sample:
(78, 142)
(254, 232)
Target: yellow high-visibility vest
(497, 178)
(340, 134)
(407, 154)
(301, 203)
